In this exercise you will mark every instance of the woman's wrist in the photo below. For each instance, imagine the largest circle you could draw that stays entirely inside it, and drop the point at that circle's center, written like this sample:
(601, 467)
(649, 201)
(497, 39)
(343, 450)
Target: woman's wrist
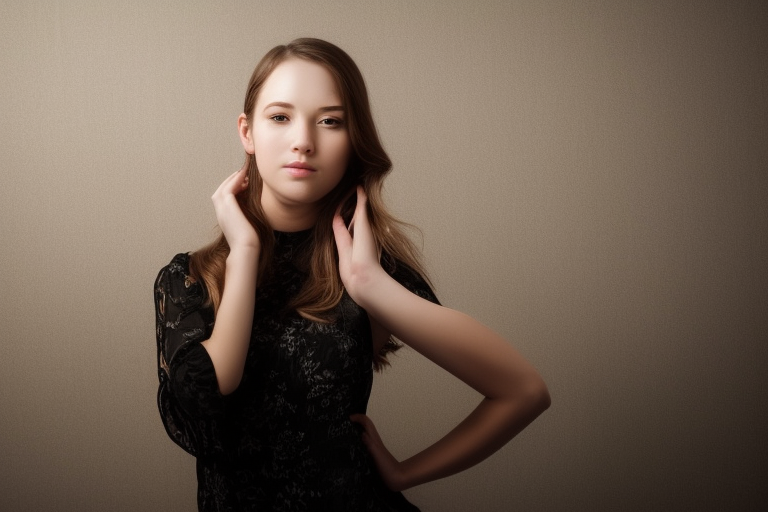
(367, 286)
(243, 255)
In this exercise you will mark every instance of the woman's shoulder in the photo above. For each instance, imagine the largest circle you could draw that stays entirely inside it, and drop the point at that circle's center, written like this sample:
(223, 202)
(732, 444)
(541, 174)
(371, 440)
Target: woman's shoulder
(177, 269)
(409, 277)
(175, 281)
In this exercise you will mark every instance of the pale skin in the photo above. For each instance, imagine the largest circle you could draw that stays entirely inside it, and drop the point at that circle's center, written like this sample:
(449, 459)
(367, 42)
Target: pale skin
(514, 393)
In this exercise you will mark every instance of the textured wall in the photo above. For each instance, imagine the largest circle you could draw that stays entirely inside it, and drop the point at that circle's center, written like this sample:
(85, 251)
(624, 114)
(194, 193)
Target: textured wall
(591, 179)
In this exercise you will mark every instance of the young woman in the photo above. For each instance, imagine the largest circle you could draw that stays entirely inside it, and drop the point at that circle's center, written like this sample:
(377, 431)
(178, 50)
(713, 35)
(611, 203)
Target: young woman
(268, 337)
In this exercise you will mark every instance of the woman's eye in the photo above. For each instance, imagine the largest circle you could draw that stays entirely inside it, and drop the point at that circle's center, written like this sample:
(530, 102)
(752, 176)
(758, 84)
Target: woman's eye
(330, 121)
(279, 118)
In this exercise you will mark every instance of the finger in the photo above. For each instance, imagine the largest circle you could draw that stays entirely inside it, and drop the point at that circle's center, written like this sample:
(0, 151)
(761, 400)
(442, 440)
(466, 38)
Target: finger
(240, 178)
(367, 424)
(239, 174)
(368, 429)
(363, 234)
(361, 209)
(341, 235)
(360, 419)
(234, 182)
(351, 227)
(244, 182)
(226, 184)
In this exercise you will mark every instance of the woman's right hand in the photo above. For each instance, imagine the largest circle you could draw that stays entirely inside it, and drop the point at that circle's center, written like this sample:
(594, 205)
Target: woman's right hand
(236, 228)
(231, 336)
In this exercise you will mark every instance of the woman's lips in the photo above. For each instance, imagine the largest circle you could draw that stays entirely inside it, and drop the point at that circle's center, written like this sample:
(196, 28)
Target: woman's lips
(299, 169)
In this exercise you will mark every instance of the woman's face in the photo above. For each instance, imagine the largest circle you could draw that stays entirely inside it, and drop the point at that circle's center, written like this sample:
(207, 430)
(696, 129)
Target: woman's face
(299, 136)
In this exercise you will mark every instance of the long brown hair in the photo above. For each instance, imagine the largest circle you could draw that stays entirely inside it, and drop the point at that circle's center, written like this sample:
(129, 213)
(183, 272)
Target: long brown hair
(368, 166)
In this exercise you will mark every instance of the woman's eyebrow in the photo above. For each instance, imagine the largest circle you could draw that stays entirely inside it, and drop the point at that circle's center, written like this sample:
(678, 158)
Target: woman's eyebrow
(282, 104)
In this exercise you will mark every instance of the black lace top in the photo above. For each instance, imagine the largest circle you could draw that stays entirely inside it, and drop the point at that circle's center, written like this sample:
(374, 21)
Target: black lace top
(283, 440)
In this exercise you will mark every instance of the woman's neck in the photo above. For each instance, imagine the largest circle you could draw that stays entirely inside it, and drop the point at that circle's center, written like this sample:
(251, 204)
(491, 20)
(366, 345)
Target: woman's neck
(289, 218)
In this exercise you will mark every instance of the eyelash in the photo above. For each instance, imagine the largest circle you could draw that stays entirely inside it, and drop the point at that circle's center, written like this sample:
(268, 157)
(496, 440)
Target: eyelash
(334, 122)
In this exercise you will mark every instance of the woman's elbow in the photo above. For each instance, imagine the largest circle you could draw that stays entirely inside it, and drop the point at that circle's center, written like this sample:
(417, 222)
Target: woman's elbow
(535, 396)
(544, 399)
(540, 396)
(227, 389)
(229, 383)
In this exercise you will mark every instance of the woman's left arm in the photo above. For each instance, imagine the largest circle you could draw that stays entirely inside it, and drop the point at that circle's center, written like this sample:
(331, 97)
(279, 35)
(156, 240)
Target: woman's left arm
(515, 393)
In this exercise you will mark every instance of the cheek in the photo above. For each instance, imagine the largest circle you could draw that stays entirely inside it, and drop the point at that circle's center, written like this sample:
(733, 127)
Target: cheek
(264, 138)
(343, 152)
(264, 151)
(260, 144)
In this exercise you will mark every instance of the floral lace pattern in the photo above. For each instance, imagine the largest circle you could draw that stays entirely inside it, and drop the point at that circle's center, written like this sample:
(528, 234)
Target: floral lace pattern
(283, 440)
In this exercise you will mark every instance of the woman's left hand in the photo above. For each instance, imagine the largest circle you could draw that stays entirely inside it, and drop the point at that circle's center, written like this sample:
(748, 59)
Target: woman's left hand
(358, 256)
(390, 469)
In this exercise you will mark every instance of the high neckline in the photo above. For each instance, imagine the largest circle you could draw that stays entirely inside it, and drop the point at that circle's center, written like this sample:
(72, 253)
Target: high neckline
(290, 238)
(301, 232)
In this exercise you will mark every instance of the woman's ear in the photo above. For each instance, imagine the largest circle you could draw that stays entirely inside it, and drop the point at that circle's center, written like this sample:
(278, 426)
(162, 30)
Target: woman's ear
(246, 137)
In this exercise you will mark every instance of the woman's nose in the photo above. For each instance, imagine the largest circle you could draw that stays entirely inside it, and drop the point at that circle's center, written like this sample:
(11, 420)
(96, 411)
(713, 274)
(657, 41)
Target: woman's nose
(304, 141)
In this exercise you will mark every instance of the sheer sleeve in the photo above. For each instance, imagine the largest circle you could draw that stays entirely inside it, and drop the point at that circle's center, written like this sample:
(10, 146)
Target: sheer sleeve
(191, 406)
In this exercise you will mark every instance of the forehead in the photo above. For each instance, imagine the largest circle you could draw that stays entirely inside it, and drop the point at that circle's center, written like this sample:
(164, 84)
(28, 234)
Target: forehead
(301, 83)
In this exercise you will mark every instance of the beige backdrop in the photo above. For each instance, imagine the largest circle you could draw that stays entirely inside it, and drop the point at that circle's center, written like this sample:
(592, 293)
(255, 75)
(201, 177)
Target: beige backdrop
(591, 179)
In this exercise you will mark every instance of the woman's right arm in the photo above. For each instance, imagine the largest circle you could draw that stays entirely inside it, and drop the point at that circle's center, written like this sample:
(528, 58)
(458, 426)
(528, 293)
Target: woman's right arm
(228, 344)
